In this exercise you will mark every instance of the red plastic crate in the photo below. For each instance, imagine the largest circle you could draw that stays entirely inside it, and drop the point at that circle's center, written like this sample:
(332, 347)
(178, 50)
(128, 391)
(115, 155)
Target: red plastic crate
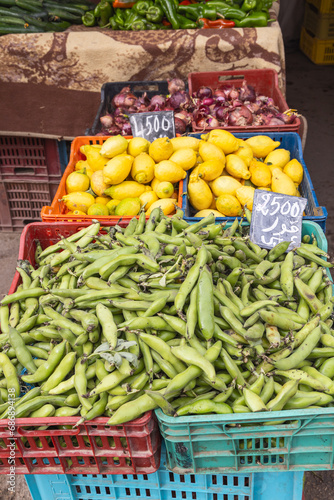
(265, 81)
(93, 447)
(29, 156)
(57, 212)
(21, 201)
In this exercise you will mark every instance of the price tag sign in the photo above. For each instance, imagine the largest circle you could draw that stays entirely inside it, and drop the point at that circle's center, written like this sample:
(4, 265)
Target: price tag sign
(153, 125)
(276, 217)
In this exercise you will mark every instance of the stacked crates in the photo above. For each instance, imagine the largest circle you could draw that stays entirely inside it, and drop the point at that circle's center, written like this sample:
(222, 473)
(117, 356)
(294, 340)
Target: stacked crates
(317, 36)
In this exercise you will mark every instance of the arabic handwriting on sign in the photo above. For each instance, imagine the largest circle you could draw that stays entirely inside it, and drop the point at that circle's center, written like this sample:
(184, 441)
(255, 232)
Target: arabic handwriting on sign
(276, 218)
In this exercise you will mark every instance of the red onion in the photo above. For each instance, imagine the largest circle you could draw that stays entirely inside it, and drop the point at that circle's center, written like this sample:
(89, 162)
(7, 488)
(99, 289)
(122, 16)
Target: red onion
(180, 125)
(114, 130)
(287, 119)
(219, 93)
(207, 101)
(178, 100)
(247, 92)
(220, 99)
(275, 121)
(203, 92)
(126, 129)
(253, 107)
(213, 122)
(202, 123)
(119, 99)
(240, 117)
(120, 120)
(119, 112)
(221, 113)
(236, 103)
(129, 100)
(204, 109)
(157, 103)
(184, 116)
(107, 121)
(175, 85)
(234, 94)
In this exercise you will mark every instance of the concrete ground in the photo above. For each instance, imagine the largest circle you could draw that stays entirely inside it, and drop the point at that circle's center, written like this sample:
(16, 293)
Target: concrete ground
(310, 90)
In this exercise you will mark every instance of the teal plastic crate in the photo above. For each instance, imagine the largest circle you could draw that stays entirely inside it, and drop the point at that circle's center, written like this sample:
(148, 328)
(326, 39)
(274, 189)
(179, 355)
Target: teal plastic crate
(165, 485)
(241, 443)
(292, 142)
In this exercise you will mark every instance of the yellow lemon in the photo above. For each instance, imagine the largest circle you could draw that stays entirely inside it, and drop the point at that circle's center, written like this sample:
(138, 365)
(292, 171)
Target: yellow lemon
(264, 188)
(278, 158)
(261, 176)
(114, 146)
(148, 198)
(167, 205)
(210, 169)
(98, 209)
(78, 212)
(126, 189)
(169, 171)
(103, 200)
(77, 181)
(213, 203)
(161, 149)
(282, 183)
(128, 206)
(208, 151)
(254, 164)
(208, 211)
(95, 160)
(223, 139)
(78, 201)
(194, 173)
(81, 165)
(97, 183)
(199, 193)
(138, 145)
(86, 147)
(245, 195)
(237, 167)
(117, 169)
(262, 145)
(294, 169)
(164, 189)
(142, 170)
(186, 158)
(155, 183)
(111, 205)
(224, 185)
(244, 152)
(148, 187)
(185, 143)
(228, 205)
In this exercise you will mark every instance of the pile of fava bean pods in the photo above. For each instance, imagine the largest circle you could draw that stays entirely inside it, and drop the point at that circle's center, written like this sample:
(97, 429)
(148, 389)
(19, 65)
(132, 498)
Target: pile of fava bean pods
(193, 319)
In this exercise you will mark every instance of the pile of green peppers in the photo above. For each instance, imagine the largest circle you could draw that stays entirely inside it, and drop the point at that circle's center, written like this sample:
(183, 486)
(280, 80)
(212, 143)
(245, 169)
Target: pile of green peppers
(191, 319)
(170, 14)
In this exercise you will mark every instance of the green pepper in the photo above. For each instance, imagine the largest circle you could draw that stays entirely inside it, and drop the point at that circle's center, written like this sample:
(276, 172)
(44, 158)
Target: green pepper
(138, 25)
(196, 11)
(248, 5)
(103, 11)
(133, 16)
(253, 20)
(142, 6)
(185, 23)
(155, 14)
(226, 10)
(113, 23)
(169, 8)
(119, 18)
(259, 6)
(89, 19)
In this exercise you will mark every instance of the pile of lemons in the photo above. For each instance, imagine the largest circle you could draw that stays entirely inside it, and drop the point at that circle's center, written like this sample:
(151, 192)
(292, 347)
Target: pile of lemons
(121, 176)
(231, 169)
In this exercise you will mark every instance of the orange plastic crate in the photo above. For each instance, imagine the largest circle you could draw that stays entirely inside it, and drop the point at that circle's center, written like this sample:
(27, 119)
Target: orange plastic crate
(57, 212)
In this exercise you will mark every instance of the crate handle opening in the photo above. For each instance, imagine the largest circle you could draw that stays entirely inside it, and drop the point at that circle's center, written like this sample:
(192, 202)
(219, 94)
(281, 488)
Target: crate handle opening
(146, 88)
(222, 78)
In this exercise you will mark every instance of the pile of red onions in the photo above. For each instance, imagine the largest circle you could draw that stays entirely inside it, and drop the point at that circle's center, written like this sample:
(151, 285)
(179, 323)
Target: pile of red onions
(232, 107)
(207, 108)
(117, 121)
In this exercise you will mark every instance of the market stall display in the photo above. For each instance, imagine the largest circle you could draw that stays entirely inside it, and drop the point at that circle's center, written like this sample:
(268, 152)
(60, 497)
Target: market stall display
(235, 100)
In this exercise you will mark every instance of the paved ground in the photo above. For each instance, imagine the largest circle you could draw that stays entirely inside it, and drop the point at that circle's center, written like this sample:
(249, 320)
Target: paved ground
(310, 89)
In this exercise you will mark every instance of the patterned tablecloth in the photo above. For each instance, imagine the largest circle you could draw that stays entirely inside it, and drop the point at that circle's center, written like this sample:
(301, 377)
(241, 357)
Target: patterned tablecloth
(50, 82)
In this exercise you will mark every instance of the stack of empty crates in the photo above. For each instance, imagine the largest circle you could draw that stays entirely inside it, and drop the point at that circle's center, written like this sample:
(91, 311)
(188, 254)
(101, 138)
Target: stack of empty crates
(30, 171)
(317, 36)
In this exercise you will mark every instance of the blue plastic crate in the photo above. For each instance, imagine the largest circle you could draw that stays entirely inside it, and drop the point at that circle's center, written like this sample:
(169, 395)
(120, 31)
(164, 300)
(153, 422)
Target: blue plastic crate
(165, 485)
(292, 142)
